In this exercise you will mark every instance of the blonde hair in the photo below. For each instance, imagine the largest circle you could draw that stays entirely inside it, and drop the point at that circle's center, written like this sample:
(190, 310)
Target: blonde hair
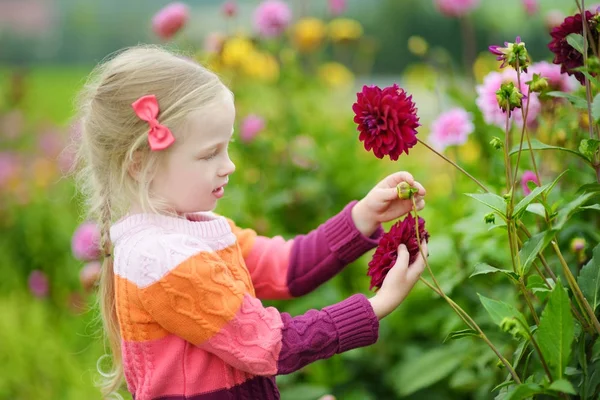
(114, 140)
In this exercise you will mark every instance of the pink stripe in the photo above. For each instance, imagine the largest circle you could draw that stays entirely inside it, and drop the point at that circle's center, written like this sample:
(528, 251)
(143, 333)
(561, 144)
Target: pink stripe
(268, 263)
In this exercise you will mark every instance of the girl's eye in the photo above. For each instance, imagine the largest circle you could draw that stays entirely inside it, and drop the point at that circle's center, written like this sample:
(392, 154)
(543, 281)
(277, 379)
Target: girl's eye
(210, 157)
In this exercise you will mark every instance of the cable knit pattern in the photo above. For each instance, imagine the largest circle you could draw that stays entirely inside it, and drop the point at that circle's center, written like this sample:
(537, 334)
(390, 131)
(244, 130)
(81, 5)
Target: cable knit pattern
(191, 323)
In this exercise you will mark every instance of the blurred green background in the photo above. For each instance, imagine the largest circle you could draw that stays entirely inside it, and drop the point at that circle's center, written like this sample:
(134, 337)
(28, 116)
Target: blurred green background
(303, 168)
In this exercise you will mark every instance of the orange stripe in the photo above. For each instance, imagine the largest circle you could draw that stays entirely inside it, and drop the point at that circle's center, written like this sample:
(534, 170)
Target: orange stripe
(194, 301)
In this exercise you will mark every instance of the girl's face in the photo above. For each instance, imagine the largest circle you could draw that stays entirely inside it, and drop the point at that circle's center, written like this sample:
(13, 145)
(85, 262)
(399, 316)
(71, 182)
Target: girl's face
(196, 169)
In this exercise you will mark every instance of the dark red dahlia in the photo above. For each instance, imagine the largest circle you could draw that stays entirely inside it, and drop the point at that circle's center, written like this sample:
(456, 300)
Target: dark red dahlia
(387, 120)
(564, 54)
(387, 251)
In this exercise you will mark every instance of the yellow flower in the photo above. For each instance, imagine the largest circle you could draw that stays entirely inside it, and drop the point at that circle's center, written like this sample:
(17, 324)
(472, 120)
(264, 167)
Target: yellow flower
(262, 66)
(417, 45)
(469, 152)
(235, 51)
(334, 74)
(308, 34)
(345, 30)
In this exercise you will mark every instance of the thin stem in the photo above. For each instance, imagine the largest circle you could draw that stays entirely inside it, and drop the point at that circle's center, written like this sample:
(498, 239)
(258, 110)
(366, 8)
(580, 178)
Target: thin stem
(455, 165)
(506, 149)
(586, 28)
(537, 350)
(528, 301)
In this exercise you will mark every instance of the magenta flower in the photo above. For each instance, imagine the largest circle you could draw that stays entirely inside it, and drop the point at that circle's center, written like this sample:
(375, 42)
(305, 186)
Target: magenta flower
(38, 284)
(455, 8)
(565, 55)
(387, 120)
(337, 7)
(272, 17)
(531, 7)
(229, 8)
(556, 79)
(252, 125)
(86, 242)
(170, 19)
(528, 176)
(451, 128)
(402, 232)
(487, 101)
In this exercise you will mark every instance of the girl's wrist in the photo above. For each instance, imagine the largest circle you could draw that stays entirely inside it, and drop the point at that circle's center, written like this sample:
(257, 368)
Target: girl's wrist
(365, 225)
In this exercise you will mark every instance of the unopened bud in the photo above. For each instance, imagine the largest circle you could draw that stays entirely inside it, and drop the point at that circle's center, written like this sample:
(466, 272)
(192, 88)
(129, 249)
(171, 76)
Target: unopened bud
(578, 244)
(405, 191)
(538, 83)
(497, 143)
(490, 218)
(509, 97)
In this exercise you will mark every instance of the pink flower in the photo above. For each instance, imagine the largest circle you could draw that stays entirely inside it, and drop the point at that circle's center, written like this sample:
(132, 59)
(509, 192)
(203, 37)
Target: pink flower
(528, 176)
(556, 79)
(456, 8)
(89, 275)
(213, 42)
(488, 103)
(272, 17)
(229, 8)
(252, 125)
(86, 242)
(451, 128)
(336, 7)
(9, 167)
(38, 284)
(170, 19)
(51, 143)
(531, 6)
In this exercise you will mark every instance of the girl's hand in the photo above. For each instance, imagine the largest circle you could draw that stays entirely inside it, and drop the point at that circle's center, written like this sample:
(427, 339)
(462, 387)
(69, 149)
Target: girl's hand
(382, 203)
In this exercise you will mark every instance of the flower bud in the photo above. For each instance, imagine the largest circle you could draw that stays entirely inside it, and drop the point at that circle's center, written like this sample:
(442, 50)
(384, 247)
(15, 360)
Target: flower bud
(509, 97)
(490, 218)
(578, 244)
(405, 191)
(538, 83)
(497, 143)
(514, 54)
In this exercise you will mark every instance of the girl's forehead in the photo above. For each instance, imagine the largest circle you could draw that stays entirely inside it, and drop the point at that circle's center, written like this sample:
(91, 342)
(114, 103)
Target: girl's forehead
(215, 119)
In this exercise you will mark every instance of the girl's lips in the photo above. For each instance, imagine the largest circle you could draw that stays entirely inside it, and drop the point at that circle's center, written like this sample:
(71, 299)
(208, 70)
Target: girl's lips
(219, 192)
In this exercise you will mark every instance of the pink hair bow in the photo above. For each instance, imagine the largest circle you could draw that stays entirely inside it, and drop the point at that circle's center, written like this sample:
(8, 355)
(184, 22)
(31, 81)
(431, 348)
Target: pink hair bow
(159, 136)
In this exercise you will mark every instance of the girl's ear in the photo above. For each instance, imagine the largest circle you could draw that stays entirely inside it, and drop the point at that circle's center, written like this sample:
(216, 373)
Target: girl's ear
(135, 166)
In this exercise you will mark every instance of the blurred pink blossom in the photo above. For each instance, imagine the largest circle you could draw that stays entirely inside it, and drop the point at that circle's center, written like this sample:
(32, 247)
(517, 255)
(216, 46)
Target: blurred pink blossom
(51, 143)
(229, 8)
(28, 17)
(89, 275)
(456, 8)
(531, 7)
(85, 242)
(252, 125)
(451, 128)
(11, 124)
(9, 167)
(556, 79)
(553, 18)
(170, 19)
(528, 176)
(38, 284)
(213, 42)
(272, 17)
(488, 104)
(337, 7)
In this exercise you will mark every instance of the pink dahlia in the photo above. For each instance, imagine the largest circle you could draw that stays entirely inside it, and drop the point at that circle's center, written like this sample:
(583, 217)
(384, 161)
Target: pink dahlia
(556, 79)
(488, 103)
(387, 120)
(229, 8)
(531, 7)
(337, 7)
(86, 242)
(38, 284)
(170, 19)
(402, 232)
(528, 176)
(272, 17)
(565, 55)
(252, 125)
(451, 128)
(455, 8)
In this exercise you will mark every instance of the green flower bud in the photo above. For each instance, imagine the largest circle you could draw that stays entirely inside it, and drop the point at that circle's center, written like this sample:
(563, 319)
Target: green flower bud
(405, 191)
(490, 218)
(509, 97)
(538, 83)
(497, 143)
(513, 54)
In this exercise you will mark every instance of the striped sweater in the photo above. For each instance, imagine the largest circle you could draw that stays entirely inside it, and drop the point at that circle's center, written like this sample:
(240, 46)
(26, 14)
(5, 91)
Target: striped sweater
(192, 325)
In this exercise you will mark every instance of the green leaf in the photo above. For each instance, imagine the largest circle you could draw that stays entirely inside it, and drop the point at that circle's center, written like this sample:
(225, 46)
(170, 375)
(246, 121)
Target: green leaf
(555, 181)
(427, 369)
(537, 145)
(589, 188)
(589, 279)
(589, 147)
(556, 331)
(562, 385)
(576, 41)
(596, 350)
(520, 207)
(537, 209)
(491, 200)
(483, 268)
(523, 391)
(304, 391)
(592, 207)
(460, 334)
(596, 108)
(565, 213)
(500, 311)
(532, 247)
(578, 102)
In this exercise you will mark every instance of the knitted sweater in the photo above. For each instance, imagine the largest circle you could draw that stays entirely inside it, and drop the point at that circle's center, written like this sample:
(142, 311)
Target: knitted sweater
(192, 325)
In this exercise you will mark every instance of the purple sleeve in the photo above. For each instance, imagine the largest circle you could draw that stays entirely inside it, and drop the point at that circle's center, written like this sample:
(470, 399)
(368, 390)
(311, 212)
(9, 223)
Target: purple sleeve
(321, 254)
(318, 335)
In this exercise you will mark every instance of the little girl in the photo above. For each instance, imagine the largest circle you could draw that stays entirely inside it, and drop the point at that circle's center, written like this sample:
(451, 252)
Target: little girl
(180, 285)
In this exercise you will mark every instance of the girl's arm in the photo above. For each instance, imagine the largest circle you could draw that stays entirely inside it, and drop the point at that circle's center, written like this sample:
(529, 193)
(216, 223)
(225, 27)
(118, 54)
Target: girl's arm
(282, 269)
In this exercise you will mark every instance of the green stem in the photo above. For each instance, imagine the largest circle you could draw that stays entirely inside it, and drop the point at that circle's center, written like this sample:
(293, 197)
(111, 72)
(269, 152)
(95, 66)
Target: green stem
(537, 350)
(455, 165)
(528, 301)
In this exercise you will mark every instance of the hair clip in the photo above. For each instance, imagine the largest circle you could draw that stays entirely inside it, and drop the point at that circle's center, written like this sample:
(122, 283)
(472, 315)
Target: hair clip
(159, 136)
